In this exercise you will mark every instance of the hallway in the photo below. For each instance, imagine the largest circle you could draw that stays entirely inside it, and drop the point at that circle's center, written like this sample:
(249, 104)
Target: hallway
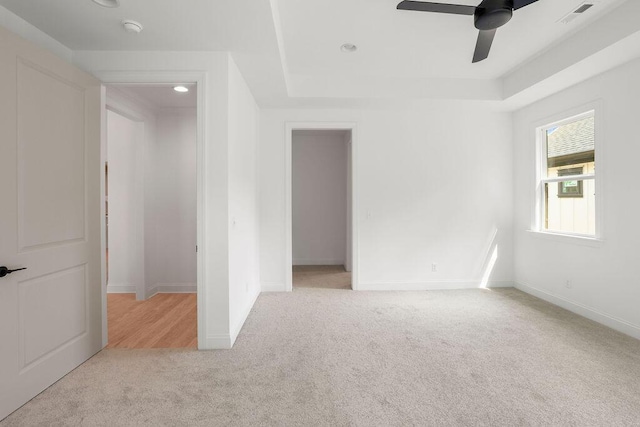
(162, 321)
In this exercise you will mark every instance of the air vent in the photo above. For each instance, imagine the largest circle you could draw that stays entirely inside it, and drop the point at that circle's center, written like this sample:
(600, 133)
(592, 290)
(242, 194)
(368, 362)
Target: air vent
(577, 12)
(583, 8)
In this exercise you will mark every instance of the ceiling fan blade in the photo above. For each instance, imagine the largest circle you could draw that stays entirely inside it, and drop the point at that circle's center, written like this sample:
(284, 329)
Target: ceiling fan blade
(483, 46)
(518, 4)
(421, 6)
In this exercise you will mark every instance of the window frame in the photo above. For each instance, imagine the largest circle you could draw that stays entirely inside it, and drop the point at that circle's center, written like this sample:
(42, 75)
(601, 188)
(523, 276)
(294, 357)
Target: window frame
(541, 178)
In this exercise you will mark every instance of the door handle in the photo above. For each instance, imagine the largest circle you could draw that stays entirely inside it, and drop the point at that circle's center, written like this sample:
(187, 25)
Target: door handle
(4, 270)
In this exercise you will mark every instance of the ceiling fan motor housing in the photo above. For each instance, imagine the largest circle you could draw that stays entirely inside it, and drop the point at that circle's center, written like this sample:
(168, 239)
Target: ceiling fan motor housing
(492, 14)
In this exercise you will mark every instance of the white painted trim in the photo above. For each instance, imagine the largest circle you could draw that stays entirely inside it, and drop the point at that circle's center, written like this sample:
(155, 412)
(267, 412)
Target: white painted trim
(572, 239)
(348, 252)
(171, 288)
(235, 329)
(216, 342)
(121, 289)
(501, 284)
(583, 310)
(584, 177)
(289, 128)
(273, 287)
(103, 214)
(200, 78)
(318, 262)
(431, 286)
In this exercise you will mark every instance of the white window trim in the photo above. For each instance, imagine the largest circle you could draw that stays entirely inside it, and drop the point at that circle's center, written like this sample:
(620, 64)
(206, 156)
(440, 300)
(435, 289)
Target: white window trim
(591, 110)
(567, 238)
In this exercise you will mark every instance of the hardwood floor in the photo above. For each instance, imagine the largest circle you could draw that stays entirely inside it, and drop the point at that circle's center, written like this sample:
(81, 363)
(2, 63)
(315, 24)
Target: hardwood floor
(163, 321)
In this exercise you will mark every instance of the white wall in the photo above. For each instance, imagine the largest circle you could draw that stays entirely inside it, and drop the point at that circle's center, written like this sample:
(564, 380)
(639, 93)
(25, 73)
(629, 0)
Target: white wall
(144, 114)
(319, 197)
(171, 197)
(125, 150)
(432, 186)
(603, 276)
(244, 282)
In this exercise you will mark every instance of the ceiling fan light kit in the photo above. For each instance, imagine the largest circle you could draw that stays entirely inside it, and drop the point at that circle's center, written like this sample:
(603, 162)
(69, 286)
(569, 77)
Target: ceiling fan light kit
(488, 16)
(494, 14)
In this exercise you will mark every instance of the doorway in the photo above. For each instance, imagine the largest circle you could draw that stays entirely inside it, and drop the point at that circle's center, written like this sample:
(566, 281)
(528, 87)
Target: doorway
(320, 206)
(151, 216)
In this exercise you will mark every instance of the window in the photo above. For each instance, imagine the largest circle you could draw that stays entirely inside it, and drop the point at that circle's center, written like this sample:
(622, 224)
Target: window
(570, 188)
(567, 176)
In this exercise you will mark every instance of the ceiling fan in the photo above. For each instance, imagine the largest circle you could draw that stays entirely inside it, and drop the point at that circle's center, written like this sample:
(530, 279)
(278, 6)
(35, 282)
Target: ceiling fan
(488, 16)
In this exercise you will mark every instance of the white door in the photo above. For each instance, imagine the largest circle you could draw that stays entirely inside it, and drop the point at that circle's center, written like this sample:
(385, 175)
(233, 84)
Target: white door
(50, 313)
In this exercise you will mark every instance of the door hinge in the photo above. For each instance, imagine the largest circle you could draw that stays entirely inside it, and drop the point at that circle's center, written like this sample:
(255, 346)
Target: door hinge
(196, 248)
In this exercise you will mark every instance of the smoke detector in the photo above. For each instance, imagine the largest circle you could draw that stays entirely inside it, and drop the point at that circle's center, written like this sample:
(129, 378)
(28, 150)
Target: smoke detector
(577, 12)
(132, 26)
(348, 47)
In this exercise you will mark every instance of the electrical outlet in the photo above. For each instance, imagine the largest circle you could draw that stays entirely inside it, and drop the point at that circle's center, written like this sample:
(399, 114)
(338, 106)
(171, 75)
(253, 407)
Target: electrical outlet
(434, 267)
(568, 284)
(246, 286)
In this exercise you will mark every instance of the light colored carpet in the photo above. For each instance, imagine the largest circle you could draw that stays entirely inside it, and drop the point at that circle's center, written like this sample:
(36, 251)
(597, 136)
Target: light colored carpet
(336, 358)
(321, 276)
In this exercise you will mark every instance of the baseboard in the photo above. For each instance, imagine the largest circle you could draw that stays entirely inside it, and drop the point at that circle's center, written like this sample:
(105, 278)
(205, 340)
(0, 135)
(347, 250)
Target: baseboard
(226, 341)
(273, 287)
(583, 310)
(218, 342)
(501, 284)
(171, 288)
(235, 329)
(121, 289)
(430, 286)
(318, 262)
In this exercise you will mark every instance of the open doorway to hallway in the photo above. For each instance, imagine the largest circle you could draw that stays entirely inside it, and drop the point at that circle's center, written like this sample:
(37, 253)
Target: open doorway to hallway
(151, 219)
(321, 208)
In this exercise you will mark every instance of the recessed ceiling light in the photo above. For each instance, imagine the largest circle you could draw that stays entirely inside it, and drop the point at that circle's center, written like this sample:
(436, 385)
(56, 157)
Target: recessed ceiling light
(107, 3)
(132, 26)
(348, 47)
(181, 89)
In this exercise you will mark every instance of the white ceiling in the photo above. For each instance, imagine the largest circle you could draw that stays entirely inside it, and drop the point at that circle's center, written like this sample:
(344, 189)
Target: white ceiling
(243, 27)
(289, 50)
(407, 44)
(162, 95)
(168, 24)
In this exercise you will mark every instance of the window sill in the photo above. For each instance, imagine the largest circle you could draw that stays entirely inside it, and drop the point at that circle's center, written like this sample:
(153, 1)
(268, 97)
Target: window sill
(567, 238)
